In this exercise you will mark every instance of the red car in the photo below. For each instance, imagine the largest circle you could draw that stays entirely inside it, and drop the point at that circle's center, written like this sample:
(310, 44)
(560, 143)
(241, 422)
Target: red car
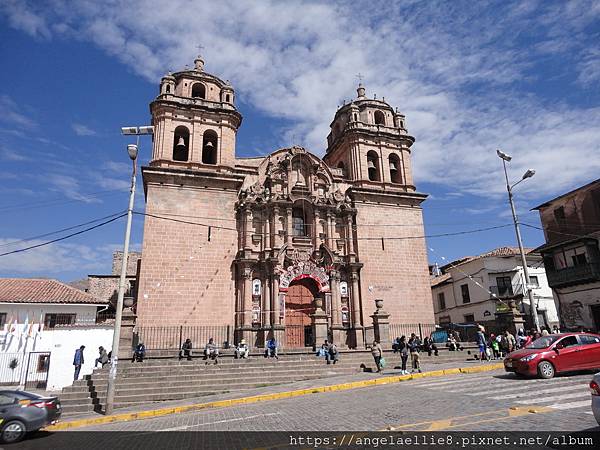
(556, 353)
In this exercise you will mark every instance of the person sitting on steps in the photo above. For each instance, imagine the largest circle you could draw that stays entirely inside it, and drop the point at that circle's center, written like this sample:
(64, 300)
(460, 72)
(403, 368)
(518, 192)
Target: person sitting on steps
(242, 350)
(186, 350)
(211, 351)
(139, 353)
(271, 348)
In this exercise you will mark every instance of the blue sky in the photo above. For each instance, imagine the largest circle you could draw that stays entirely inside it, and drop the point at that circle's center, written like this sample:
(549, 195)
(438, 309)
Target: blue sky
(522, 76)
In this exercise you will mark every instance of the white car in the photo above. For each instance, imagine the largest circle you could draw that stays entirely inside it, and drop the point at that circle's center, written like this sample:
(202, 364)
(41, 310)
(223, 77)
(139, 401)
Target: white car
(595, 389)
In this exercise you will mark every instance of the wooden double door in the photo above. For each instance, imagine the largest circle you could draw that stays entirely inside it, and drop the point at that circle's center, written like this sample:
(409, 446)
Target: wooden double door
(299, 308)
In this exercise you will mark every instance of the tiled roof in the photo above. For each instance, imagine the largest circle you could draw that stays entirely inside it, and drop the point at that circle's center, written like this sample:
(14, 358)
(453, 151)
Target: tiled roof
(505, 251)
(32, 290)
(440, 279)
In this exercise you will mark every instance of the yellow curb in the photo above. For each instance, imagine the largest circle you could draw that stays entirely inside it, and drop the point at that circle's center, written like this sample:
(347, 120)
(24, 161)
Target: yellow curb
(126, 417)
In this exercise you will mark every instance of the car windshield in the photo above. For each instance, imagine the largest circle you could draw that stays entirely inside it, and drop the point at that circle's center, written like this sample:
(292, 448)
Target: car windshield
(543, 342)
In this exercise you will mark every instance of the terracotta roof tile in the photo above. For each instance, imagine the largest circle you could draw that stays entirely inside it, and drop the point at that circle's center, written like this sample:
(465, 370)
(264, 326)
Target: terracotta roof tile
(32, 290)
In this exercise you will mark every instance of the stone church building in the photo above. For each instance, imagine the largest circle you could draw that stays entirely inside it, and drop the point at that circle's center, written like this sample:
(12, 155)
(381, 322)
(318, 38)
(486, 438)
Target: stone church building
(282, 242)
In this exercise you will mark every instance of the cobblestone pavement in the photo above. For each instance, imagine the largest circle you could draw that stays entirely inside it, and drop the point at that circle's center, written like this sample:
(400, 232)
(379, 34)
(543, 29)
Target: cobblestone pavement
(475, 402)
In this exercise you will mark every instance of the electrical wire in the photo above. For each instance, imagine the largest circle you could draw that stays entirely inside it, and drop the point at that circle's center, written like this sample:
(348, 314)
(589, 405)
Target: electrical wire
(64, 237)
(56, 202)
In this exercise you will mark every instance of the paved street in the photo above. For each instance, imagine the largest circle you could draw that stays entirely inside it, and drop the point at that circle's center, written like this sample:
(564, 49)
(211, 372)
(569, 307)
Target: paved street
(487, 401)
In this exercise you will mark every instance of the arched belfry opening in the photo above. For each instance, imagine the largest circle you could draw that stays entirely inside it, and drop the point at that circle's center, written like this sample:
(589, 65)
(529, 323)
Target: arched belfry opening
(379, 118)
(181, 143)
(394, 163)
(373, 166)
(210, 141)
(198, 90)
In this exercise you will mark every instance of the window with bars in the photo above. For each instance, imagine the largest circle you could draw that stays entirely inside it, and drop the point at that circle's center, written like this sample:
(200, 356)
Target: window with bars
(466, 297)
(442, 300)
(52, 320)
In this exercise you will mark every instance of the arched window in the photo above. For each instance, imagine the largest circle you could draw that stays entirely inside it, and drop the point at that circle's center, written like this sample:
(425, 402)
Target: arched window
(209, 147)
(379, 118)
(343, 169)
(395, 175)
(227, 97)
(299, 227)
(355, 117)
(198, 90)
(373, 166)
(181, 144)
(168, 90)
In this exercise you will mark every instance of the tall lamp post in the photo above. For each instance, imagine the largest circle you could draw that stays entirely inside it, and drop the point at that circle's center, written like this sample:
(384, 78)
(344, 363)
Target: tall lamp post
(132, 150)
(528, 174)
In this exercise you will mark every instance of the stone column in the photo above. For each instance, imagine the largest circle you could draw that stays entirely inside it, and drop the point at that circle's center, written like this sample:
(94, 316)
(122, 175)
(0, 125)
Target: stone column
(329, 231)
(355, 300)
(336, 300)
(247, 303)
(350, 235)
(126, 341)
(317, 222)
(288, 225)
(381, 325)
(266, 302)
(267, 244)
(248, 229)
(357, 329)
(319, 323)
(276, 309)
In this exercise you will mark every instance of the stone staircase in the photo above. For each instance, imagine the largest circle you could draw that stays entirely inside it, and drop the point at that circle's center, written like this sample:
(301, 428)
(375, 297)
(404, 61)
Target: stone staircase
(157, 380)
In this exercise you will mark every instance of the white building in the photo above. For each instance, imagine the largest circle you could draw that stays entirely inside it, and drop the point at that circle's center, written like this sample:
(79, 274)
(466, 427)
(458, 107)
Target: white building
(42, 323)
(462, 293)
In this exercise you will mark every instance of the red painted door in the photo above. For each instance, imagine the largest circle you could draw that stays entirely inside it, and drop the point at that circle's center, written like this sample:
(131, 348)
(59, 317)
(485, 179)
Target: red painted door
(298, 310)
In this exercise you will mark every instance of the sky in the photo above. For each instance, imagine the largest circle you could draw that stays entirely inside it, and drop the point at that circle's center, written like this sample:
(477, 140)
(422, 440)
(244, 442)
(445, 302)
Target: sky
(471, 77)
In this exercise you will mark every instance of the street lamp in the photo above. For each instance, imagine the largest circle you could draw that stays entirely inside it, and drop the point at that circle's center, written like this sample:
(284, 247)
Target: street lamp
(132, 151)
(528, 174)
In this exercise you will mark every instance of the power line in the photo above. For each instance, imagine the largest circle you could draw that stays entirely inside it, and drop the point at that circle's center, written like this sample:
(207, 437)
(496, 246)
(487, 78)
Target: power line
(64, 237)
(59, 231)
(550, 230)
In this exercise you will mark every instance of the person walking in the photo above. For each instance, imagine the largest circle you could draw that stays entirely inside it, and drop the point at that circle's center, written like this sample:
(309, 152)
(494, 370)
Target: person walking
(482, 345)
(511, 342)
(377, 353)
(78, 361)
(403, 349)
(102, 359)
(495, 346)
(414, 347)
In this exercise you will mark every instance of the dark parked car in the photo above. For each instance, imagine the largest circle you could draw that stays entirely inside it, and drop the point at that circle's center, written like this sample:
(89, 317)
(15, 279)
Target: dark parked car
(23, 412)
(548, 355)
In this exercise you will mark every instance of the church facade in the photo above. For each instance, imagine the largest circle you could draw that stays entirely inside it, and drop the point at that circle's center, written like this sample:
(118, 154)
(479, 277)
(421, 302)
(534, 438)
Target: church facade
(273, 244)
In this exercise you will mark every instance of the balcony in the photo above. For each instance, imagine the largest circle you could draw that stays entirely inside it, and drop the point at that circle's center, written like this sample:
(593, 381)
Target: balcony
(507, 291)
(582, 273)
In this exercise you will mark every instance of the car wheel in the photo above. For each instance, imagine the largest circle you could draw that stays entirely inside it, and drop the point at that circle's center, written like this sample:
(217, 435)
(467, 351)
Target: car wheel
(13, 431)
(545, 369)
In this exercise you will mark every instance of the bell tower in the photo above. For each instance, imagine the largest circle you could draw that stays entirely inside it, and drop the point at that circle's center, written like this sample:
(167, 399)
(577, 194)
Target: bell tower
(369, 143)
(195, 120)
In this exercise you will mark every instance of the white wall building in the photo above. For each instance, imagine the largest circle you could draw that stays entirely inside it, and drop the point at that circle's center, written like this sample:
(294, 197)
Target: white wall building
(42, 323)
(463, 292)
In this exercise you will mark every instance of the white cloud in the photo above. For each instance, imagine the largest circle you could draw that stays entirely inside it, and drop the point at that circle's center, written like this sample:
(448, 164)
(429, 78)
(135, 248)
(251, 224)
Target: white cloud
(48, 260)
(82, 130)
(70, 187)
(11, 115)
(464, 76)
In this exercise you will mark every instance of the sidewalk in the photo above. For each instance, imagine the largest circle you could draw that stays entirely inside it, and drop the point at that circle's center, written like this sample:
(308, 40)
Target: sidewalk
(343, 382)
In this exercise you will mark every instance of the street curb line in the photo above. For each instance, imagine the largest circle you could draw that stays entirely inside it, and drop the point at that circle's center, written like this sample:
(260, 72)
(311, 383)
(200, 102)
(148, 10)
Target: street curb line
(126, 417)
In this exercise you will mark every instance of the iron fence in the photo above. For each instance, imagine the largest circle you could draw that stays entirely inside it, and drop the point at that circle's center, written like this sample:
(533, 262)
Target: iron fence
(172, 337)
(406, 329)
(11, 368)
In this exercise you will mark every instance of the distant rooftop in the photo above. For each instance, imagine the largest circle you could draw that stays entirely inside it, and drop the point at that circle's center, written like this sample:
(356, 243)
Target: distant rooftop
(36, 290)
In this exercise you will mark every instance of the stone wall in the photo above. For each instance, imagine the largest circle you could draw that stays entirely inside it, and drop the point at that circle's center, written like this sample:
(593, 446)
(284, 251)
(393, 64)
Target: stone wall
(185, 279)
(132, 262)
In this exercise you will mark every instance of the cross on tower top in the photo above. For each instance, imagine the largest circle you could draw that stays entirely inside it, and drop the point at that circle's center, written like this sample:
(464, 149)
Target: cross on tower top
(200, 48)
(360, 78)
